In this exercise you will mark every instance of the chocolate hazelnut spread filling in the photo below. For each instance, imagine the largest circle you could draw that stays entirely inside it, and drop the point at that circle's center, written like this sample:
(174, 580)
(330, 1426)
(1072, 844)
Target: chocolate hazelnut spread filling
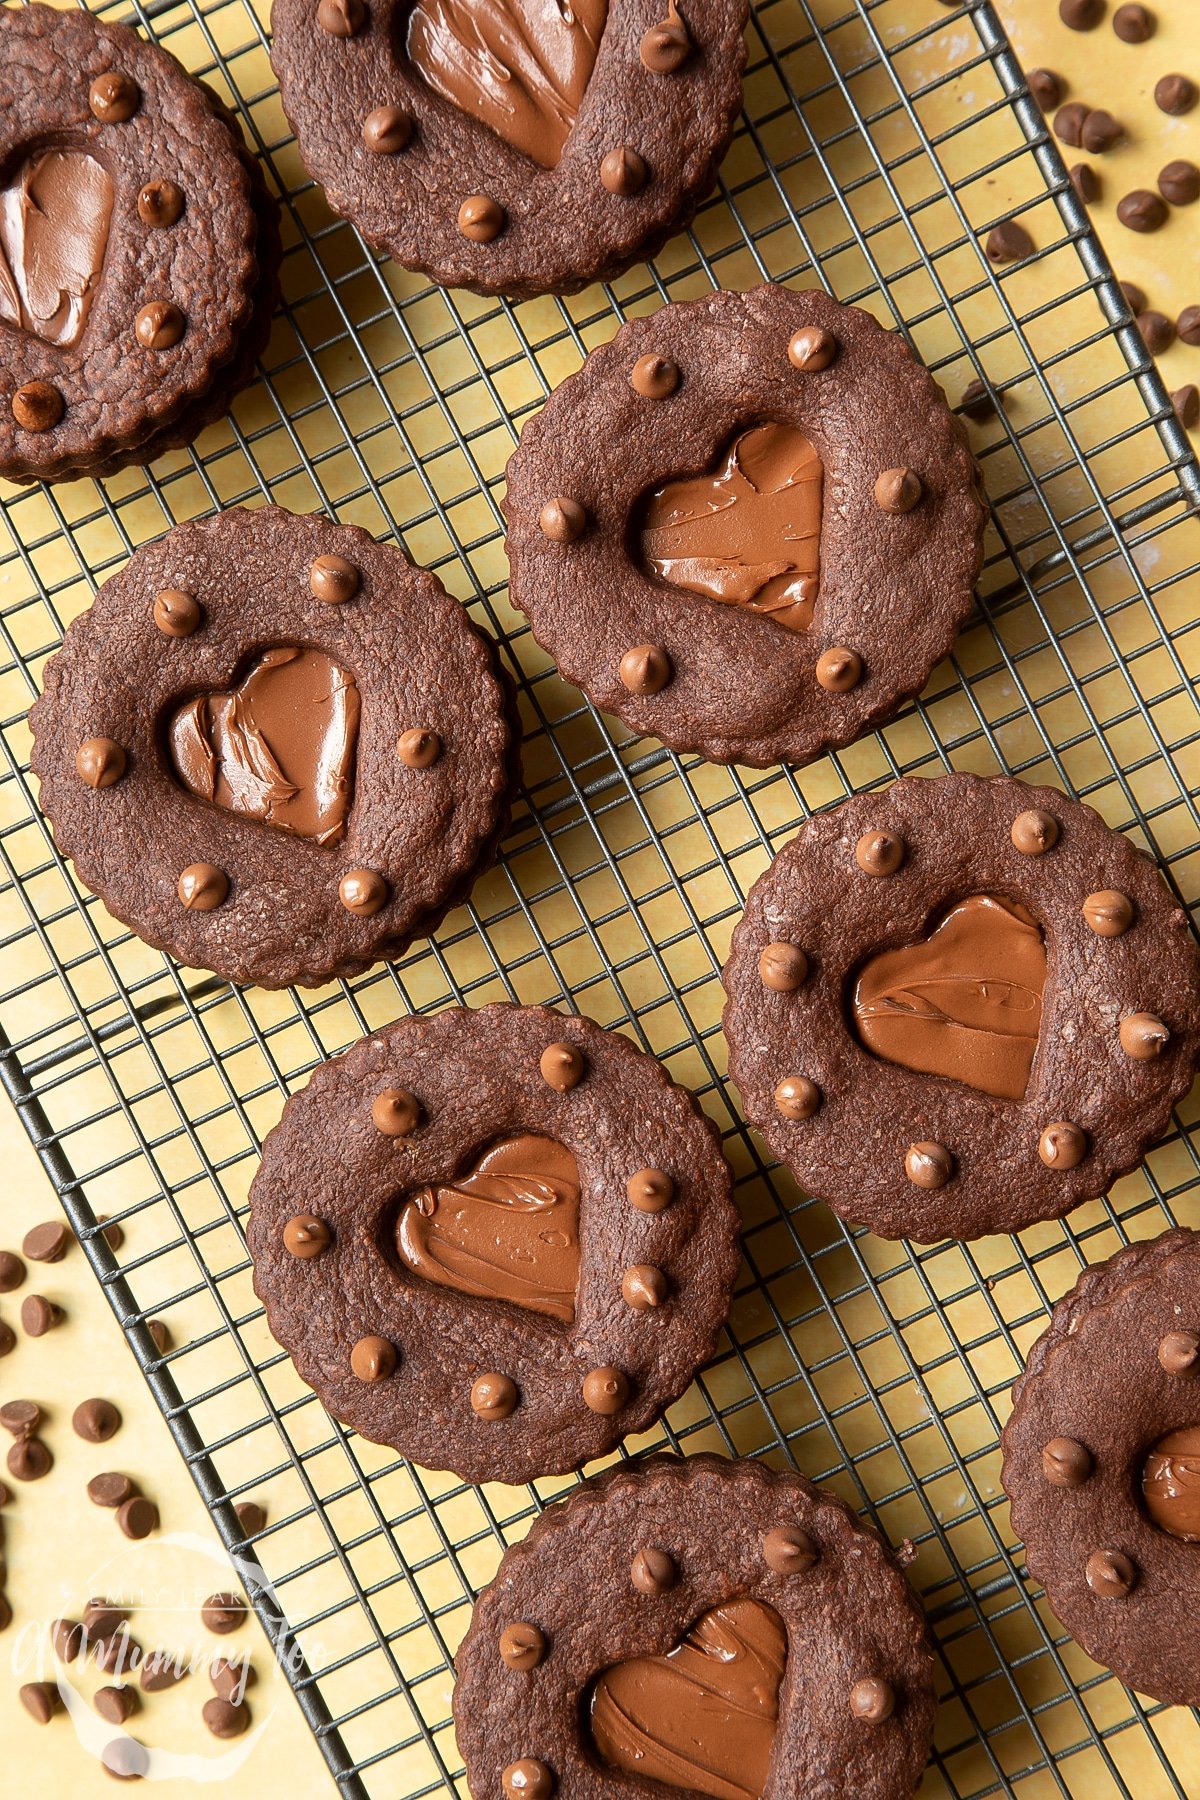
(1171, 1483)
(54, 219)
(702, 1716)
(507, 1229)
(965, 1003)
(520, 66)
(747, 532)
(279, 747)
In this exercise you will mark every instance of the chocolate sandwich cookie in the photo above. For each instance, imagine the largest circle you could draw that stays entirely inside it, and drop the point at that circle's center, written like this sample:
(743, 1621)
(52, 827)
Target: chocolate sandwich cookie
(749, 526)
(139, 249)
(512, 146)
(961, 1006)
(275, 748)
(498, 1241)
(1102, 1464)
(743, 1636)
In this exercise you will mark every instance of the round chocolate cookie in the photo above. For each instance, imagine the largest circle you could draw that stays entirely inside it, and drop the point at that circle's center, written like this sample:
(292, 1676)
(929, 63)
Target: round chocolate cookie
(703, 1625)
(139, 249)
(1102, 1464)
(512, 146)
(960, 1006)
(749, 526)
(498, 1241)
(275, 748)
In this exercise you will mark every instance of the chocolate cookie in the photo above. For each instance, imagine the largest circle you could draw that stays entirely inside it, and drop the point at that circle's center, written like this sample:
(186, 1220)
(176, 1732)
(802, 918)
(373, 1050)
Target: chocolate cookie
(1102, 1464)
(275, 748)
(512, 146)
(960, 1006)
(139, 249)
(742, 1636)
(498, 1241)
(749, 526)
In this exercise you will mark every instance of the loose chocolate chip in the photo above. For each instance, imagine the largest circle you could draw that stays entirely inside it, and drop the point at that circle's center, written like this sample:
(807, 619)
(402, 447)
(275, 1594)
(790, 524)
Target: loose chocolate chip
(1008, 242)
(1086, 182)
(125, 1759)
(102, 1618)
(1135, 299)
(1179, 182)
(225, 1718)
(47, 1243)
(95, 1421)
(119, 1654)
(5, 1613)
(113, 1235)
(1134, 24)
(251, 1516)
(161, 1333)
(1046, 88)
(1157, 330)
(115, 1703)
(160, 1670)
(1081, 15)
(1188, 325)
(232, 1676)
(12, 1271)
(7, 1338)
(978, 401)
(1100, 131)
(39, 1315)
(67, 1637)
(223, 1612)
(20, 1418)
(111, 1489)
(1069, 121)
(41, 1700)
(5, 1495)
(1141, 210)
(29, 1460)
(1186, 402)
(1175, 94)
(137, 1516)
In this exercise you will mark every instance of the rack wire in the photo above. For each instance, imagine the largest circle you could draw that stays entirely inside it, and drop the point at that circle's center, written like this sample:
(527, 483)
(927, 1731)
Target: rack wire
(880, 140)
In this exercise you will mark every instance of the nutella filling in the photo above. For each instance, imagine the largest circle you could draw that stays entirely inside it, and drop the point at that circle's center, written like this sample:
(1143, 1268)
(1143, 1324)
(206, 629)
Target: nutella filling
(1171, 1483)
(54, 219)
(702, 1716)
(748, 532)
(508, 1229)
(520, 66)
(966, 1003)
(279, 747)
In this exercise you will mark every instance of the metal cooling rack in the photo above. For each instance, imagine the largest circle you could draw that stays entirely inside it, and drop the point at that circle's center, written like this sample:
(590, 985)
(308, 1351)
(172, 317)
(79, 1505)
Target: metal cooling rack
(880, 140)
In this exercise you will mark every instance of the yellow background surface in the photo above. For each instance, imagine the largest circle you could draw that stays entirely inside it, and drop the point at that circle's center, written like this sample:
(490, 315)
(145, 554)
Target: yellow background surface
(59, 1548)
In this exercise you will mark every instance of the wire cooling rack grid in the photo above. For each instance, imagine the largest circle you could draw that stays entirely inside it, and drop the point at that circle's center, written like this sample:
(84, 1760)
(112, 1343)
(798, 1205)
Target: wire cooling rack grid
(880, 140)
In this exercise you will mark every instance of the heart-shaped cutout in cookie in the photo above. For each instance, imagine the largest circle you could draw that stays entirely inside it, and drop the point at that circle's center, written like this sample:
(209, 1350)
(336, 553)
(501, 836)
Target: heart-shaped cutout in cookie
(520, 66)
(54, 219)
(507, 1229)
(278, 747)
(964, 1003)
(703, 1715)
(748, 532)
